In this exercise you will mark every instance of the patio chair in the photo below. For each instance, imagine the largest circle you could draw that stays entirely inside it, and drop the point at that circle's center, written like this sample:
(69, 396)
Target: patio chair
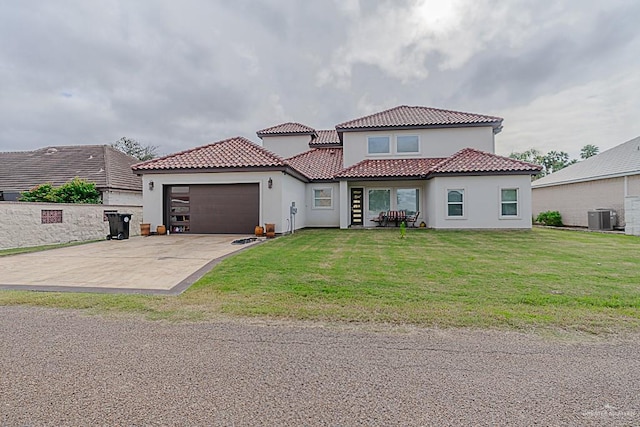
(411, 219)
(381, 219)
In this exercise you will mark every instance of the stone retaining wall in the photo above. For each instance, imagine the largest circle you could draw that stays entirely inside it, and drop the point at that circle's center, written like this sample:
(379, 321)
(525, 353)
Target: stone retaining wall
(33, 224)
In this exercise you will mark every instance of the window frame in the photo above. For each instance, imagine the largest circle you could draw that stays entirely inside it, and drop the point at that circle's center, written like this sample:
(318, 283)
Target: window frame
(375, 213)
(417, 190)
(463, 203)
(389, 139)
(502, 203)
(314, 198)
(404, 153)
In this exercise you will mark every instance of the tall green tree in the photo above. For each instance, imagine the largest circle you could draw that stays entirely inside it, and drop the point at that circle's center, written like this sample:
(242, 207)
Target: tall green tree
(589, 150)
(553, 161)
(134, 148)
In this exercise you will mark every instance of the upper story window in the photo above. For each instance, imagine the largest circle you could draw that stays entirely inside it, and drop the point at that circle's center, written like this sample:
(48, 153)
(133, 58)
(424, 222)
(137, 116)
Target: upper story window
(455, 203)
(407, 144)
(378, 145)
(509, 202)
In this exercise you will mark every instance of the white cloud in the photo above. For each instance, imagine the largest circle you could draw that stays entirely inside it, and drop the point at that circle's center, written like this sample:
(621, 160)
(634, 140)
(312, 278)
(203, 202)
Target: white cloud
(603, 113)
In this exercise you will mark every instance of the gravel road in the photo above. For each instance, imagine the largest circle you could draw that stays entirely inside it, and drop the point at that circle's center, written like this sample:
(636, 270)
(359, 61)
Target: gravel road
(65, 368)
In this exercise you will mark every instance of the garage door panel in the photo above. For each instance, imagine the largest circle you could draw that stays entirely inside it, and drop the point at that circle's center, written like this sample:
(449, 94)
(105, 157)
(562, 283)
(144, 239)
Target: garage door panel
(225, 208)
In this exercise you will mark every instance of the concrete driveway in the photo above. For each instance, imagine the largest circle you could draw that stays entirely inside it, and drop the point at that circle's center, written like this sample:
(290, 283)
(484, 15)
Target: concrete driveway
(153, 265)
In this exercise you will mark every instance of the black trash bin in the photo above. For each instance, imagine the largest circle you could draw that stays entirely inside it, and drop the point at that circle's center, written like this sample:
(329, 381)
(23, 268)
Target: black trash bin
(118, 226)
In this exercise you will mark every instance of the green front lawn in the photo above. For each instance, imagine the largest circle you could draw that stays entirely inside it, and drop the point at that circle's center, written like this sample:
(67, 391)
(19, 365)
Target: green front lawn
(514, 279)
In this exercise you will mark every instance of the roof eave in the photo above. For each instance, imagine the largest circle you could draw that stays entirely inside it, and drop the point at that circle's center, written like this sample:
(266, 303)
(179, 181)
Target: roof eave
(482, 173)
(579, 180)
(211, 170)
(497, 127)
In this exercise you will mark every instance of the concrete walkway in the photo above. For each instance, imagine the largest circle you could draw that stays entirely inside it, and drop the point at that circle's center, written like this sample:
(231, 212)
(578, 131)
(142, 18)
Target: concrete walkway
(153, 265)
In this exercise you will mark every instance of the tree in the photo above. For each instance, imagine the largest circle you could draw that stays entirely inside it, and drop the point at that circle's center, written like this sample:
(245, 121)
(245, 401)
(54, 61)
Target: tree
(553, 161)
(134, 148)
(588, 150)
(532, 156)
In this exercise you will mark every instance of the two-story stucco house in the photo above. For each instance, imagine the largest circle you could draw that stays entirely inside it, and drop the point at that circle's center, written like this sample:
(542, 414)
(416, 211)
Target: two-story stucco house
(435, 164)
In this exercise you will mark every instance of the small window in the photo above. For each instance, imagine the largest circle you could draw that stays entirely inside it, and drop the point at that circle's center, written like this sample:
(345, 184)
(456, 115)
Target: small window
(407, 144)
(322, 198)
(378, 145)
(509, 201)
(455, 203)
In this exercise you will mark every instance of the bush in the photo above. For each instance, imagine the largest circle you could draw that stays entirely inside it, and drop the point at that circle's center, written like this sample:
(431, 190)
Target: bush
(39, 193)
(75, 191)
(552, 218)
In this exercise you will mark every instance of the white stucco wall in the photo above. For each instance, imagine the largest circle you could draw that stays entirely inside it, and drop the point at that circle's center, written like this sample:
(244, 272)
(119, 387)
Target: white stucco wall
(122, 197)
(433, 142)
(286, 146)
(323, 217)
(574, 201)
(481, 201)
(293, 190)
(21, 223)
(271, 199)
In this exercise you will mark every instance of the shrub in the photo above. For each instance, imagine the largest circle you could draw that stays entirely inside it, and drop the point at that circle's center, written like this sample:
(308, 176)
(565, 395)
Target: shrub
(75, 191)
(39, 193)
(552, 218)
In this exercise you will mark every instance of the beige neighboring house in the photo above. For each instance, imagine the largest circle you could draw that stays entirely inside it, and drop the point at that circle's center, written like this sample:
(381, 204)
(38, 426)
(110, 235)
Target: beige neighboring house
(435, 166)
(604, 181)
(103, 165)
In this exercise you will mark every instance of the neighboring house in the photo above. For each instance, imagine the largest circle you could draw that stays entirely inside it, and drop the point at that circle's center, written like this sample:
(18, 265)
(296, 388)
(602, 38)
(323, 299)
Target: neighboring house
(436, 163)
(103, 165)
(601, 181)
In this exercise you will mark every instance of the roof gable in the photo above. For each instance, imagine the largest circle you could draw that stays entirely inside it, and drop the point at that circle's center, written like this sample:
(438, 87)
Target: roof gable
(103, 165)
(464, 162)
(390, 168)
(406, 116)
(470, 160)
(321, 163)
(290, 128)
(237, 152)
(325, 137)
(620, 160)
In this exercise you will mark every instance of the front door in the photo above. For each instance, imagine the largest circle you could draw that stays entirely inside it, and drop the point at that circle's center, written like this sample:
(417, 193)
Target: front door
(357, 196)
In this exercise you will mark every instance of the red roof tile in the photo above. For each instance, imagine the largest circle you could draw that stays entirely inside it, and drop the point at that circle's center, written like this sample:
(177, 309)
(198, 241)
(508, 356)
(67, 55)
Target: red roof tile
(235, 152)
(318, 163)
(470, 160)
(407, 116)
(287, 129)
(326, 137)
(390, 168)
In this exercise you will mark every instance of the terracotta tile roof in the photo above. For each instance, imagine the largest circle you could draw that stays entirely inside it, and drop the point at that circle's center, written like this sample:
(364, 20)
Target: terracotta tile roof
(390, 168)
(287, 129)
(235, 152)
(326, 137)
(406, 116)
(103, 165)
(470, 160)
(318, 163)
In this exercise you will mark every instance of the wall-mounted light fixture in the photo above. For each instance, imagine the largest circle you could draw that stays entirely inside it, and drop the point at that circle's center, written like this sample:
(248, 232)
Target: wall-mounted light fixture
(270, 183)
(151, 185)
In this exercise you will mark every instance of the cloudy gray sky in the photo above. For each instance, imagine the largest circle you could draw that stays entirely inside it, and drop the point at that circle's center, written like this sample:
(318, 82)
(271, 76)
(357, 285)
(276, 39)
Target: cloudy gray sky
(178, 74)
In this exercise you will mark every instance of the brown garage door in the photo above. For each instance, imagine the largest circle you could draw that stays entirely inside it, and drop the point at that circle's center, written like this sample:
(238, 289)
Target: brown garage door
(224, 208)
